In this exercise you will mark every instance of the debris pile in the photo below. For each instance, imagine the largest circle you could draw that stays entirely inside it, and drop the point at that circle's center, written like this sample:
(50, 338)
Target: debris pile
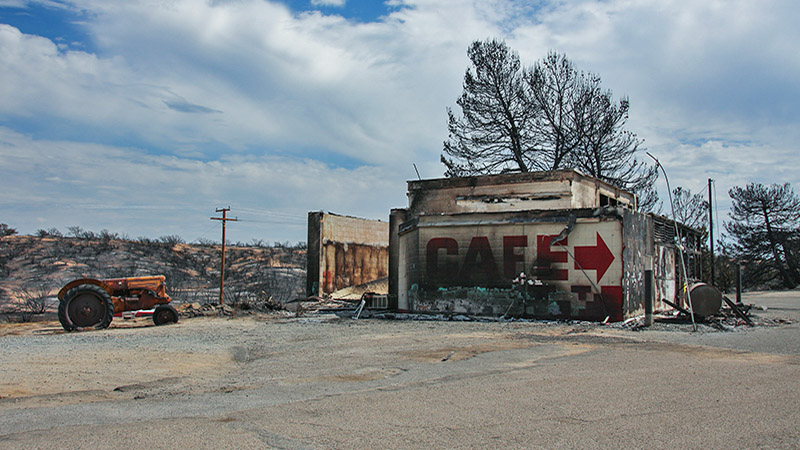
(316, 304)
(363, 306)
(262, 303)
(206, 309)
(738, 314)
(729, 318)
(379, 286)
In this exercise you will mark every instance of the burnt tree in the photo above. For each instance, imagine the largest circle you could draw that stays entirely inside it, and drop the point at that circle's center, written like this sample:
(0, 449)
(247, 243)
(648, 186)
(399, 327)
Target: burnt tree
(546, 117)
(764, 225)
(554, 89)
(604, 148)
(493, 135)
(690, 209)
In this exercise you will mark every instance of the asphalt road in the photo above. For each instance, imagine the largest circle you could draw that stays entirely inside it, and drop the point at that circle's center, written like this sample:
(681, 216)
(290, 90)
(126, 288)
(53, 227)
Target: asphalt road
(323, 383)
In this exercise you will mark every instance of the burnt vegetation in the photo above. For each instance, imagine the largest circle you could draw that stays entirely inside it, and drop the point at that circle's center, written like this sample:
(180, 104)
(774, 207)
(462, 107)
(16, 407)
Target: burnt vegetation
(34, 268)
(765, 233)
(762, 236)
(549, 116)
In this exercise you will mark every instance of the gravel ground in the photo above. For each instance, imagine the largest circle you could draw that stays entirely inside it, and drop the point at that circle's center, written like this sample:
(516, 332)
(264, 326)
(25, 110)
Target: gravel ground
(326, 382)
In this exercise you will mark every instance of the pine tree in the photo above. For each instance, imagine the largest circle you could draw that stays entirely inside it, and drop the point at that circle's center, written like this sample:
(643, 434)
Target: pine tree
(764, 224)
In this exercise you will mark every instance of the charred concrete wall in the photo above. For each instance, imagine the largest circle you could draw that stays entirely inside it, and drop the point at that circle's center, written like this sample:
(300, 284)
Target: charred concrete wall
(468, 263)
(345, 251)
(553, 190)
(462, 243)
(637, 256)
(396, 218)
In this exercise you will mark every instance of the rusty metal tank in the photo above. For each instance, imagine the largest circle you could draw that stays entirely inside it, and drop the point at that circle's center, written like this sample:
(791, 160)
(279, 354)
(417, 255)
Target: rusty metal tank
(706, 299)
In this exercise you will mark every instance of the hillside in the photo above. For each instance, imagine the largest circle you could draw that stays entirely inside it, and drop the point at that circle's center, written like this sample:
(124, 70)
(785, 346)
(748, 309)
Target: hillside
(41, 265)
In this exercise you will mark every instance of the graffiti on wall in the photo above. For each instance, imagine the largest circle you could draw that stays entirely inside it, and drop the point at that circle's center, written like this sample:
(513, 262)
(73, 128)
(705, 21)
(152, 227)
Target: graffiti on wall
(579, 276)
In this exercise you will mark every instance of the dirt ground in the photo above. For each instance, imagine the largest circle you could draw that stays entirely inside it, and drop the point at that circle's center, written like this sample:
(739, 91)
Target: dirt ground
(261, 381)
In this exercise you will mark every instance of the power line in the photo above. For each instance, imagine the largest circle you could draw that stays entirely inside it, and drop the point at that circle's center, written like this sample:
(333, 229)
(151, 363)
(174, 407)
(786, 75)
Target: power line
(205, 232)
(260, 212)
(278, 221)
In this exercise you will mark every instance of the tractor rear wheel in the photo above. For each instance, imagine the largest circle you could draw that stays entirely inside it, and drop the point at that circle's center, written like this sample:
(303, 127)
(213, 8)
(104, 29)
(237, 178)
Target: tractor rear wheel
(165, 314)
(85, 306)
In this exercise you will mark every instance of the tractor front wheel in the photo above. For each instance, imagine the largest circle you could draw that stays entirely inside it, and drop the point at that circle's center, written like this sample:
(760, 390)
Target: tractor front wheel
(85, 306)
(165, 314)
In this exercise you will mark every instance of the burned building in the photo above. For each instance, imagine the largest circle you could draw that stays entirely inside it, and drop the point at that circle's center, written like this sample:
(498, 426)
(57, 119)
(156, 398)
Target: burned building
(344, 251)
(556, 244)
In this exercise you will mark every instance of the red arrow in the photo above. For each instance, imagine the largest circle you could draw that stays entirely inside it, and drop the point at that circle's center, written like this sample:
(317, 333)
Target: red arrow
(597, 258)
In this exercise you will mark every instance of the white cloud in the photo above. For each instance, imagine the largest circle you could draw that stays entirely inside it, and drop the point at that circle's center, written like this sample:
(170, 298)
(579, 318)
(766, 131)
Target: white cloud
(674, 51)
(60, 184)
(338, 3)
(40, 79)
(713, 85)
(282, 82)
(221, 100)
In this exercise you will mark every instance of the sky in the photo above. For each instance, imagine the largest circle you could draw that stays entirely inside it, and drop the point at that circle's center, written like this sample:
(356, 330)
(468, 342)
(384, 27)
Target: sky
(144, 117)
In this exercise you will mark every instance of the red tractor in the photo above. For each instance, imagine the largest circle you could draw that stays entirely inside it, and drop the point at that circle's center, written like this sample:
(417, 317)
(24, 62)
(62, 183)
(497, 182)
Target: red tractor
(89, 303)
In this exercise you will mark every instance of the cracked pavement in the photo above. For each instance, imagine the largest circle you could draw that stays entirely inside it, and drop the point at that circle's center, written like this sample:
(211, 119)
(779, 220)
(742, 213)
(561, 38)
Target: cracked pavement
(317, 383)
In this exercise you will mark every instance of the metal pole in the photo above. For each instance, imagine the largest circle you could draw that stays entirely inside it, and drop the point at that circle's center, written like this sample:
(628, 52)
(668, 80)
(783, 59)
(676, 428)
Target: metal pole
(679, 243)
(711, 229)
(738, 283)
(648, 298)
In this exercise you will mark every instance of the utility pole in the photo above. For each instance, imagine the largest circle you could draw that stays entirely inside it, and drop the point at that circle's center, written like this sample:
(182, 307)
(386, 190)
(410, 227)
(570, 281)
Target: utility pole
(711, 228)
(223, 219)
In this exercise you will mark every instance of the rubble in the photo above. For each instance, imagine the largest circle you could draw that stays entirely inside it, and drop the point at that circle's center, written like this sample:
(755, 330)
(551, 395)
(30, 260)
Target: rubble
(346, 304)
(739, 310)
(262, 303)
(380, 286)
(196, 309)
(725, 320)
(315, 310)
(206, 310)
(316, 304)
(731, 318)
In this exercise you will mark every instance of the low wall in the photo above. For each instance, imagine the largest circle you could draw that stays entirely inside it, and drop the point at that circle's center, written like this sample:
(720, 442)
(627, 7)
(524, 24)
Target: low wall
(345, 251)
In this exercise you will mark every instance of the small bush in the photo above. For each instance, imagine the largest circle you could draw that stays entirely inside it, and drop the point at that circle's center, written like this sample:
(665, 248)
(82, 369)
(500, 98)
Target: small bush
(171, 239)
(6, 230)
(33, 301)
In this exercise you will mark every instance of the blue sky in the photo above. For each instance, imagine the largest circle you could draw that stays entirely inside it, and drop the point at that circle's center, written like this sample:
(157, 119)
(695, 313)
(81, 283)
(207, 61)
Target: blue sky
(363, 11)
(55, 21)
(143, 116)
